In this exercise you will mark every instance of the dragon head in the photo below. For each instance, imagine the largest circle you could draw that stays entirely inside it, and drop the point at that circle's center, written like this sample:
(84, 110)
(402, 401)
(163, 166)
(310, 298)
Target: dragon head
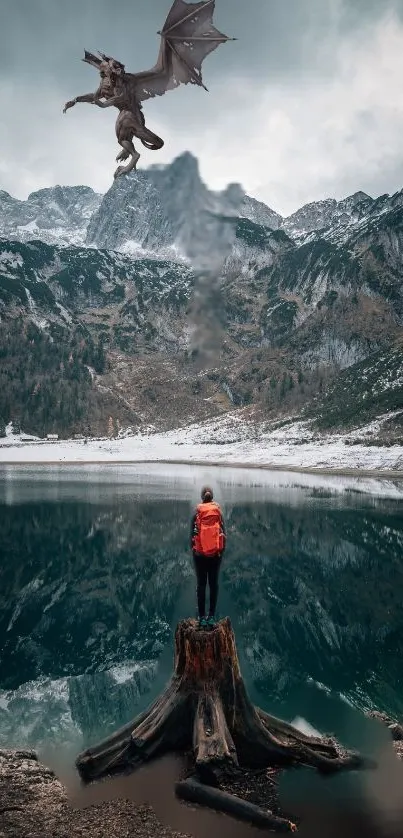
(104, 63)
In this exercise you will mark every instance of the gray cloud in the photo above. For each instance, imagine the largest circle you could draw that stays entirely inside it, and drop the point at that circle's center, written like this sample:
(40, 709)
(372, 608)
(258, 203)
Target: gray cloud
(274, 37)
(292, 107)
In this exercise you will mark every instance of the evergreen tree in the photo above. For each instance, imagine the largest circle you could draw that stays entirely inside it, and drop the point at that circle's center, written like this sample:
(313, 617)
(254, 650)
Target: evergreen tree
(99, 358)
(283, 386)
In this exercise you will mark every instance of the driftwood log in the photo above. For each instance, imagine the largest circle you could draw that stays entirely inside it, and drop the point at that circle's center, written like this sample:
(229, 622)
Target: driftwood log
(205, 708)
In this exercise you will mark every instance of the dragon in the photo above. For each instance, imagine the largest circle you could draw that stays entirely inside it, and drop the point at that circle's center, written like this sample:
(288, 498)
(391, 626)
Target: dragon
(187, 37)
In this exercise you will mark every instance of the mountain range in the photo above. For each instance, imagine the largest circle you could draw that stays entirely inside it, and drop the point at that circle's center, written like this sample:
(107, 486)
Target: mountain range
(163, 302)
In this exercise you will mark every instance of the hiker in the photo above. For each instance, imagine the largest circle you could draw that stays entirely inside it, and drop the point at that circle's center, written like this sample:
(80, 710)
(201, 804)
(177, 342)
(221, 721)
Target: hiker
(207, 542)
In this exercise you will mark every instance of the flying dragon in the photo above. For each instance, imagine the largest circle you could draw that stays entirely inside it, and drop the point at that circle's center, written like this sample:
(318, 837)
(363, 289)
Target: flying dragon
(187, 37)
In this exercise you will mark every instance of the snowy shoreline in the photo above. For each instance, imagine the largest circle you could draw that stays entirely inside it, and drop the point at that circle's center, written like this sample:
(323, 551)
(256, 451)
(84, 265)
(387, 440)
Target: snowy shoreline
(227, 441)
(375, 473)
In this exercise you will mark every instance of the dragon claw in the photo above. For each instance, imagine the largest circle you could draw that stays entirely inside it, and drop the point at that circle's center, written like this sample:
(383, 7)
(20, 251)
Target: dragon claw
(131, 166)
(119, 171)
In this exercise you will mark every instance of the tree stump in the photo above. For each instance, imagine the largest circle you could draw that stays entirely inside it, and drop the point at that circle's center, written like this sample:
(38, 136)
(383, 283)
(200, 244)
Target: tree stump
(205, 708)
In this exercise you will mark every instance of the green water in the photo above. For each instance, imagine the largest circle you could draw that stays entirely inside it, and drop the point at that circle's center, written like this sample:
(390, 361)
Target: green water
(95, 573)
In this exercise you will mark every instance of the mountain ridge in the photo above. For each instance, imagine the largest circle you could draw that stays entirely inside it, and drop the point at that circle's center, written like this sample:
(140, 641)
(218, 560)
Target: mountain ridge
(207, 304)
(82, 217)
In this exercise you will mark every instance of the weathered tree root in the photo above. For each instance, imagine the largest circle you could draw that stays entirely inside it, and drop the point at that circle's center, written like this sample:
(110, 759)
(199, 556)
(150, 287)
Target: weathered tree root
(206, 706)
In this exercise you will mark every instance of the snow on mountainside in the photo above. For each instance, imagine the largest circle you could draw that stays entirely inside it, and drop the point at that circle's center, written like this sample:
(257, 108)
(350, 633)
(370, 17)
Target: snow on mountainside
(65, 283)
(361, 391)
(259, 213)
(57, 215)
(320, 215)
(337, 221)
(295, 301)
(166, 211)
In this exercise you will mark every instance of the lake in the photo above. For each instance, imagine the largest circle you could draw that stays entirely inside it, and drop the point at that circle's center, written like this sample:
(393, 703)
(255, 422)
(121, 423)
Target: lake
(95, 573)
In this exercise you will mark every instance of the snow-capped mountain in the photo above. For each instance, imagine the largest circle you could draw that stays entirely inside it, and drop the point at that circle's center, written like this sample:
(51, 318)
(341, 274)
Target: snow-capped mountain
(166, 211)
(259, 213)
(297, 300)
(322, 215)
(337, 221)
(284, 320)
(57, 215)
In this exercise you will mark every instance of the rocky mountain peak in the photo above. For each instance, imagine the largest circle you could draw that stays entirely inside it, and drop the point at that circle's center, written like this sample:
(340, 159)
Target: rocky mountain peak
(167, 211)
(359, 196)
(291, 316)
(185, 162)
(260, 213)
(357, 203)
(312, 216)
(233, 196)
(55, 215)
(68, 193)
(330, 218)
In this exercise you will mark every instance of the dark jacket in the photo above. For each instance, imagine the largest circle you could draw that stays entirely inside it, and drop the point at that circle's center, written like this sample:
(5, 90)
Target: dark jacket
(193, 530)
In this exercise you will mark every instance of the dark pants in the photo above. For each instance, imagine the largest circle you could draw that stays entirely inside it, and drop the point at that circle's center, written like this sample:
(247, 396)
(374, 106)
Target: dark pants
(207, 568)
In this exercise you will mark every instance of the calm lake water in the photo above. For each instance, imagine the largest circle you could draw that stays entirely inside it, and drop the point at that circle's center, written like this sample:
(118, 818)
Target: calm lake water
(95, 573)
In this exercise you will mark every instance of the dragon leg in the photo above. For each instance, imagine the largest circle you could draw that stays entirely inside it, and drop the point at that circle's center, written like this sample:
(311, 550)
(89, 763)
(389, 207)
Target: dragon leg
(128, 151)
(130, 124)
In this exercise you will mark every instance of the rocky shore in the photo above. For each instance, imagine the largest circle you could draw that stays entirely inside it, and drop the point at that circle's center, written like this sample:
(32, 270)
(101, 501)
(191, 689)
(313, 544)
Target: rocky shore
(35, 804)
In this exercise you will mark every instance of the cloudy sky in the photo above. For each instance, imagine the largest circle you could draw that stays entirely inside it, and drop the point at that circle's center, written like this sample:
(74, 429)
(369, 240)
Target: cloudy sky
(307, 104)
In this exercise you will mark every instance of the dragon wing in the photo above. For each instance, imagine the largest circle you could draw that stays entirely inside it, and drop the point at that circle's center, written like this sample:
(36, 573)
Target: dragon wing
(188, 36)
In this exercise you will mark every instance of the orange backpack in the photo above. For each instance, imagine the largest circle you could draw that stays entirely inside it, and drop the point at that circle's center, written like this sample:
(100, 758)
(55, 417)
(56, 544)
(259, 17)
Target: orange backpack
(209, 539)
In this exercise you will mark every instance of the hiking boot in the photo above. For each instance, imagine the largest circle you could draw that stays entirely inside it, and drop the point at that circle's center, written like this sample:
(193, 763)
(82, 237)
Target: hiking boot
(211, 621)
(202, 622)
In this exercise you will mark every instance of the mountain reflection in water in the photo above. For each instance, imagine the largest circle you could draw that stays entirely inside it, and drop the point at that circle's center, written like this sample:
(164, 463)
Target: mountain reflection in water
(96, 572)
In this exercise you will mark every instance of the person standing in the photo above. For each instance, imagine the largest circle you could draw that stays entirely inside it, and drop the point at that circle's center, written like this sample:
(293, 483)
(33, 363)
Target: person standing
(207, 542)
